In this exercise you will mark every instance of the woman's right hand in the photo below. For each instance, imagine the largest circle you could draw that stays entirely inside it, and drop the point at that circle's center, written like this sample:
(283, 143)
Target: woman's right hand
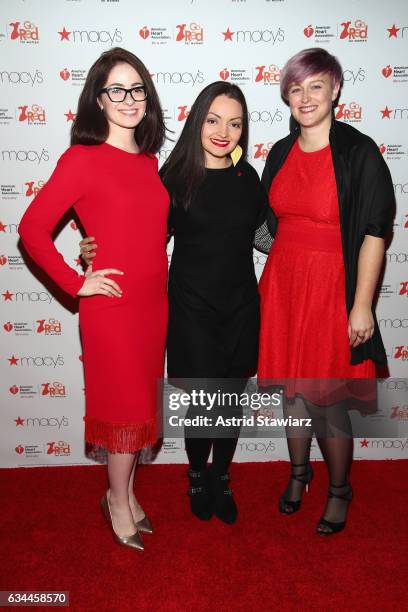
(87, 246)
(96, 283)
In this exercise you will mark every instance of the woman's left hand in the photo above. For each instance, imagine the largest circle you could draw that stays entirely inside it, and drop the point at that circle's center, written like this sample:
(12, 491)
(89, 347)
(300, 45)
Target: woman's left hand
(360, 325)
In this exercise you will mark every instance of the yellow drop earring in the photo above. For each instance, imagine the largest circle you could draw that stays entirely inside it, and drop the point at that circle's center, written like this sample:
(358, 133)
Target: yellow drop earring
(236, 155)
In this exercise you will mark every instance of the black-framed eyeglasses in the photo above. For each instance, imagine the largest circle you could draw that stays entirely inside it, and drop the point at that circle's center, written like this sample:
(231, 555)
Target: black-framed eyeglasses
(118, 94)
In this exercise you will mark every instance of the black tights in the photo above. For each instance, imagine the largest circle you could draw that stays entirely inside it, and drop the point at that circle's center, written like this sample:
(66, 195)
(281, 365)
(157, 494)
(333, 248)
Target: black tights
(198, 449)
(332, 427)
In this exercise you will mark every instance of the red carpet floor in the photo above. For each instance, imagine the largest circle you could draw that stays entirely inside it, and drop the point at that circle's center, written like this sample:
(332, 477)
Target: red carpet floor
(55, 538)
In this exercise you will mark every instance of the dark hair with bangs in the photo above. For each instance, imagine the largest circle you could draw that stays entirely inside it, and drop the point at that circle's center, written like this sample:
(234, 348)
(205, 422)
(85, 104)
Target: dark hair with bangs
(184, 170)
(306, 63)
(91, 126)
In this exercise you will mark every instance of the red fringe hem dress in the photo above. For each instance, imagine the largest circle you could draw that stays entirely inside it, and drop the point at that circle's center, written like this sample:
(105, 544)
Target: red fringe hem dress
(119, 198)
(304, 323)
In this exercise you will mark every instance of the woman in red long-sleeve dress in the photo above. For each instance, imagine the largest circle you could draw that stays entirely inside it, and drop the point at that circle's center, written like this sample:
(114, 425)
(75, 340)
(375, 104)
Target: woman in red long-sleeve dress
(109, 176)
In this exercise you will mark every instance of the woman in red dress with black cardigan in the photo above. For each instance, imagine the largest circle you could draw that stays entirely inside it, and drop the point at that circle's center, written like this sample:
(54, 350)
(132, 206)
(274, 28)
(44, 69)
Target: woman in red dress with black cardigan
(109, 176)
(331, 205)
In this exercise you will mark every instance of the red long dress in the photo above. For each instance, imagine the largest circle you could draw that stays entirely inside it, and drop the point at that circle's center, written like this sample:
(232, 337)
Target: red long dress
(120, 200)
(303, 311)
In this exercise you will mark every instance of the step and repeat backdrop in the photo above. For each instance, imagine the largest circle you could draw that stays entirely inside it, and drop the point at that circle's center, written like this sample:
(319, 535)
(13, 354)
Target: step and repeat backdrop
(46, 49)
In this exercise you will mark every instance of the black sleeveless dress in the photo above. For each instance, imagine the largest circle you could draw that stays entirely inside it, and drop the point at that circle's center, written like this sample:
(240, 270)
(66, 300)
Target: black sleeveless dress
(213, 294)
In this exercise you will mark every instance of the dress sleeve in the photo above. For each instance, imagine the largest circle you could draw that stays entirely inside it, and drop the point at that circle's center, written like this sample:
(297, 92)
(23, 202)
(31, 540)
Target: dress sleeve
(63, 189)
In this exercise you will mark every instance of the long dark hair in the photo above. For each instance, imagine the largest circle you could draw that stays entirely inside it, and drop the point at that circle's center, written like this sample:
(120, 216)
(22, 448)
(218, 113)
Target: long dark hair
(184, 170)
(91, 126)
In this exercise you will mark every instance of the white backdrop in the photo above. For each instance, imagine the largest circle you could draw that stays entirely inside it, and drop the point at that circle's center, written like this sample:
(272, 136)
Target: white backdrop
(46, 48)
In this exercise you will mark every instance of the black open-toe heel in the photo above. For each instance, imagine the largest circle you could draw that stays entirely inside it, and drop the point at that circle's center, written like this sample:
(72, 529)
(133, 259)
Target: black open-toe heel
(346, 496)
(199, 493)
(290, 507)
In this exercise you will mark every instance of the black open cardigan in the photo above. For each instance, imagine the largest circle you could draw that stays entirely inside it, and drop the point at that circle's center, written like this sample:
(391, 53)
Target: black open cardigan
(366, 206)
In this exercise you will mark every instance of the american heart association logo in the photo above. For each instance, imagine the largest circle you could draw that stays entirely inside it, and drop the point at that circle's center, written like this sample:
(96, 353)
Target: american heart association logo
(387, 71)
(144, 32)
(308, 31)
(224, 74)
(65, 74)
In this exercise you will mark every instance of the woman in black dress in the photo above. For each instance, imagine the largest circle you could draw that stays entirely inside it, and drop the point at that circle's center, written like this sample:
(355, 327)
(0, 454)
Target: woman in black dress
(216, 203)
(213, 295)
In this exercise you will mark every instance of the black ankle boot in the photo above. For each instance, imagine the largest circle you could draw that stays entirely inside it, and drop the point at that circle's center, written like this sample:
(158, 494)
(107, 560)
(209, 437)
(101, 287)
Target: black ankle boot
(223, 501)
(199, 493)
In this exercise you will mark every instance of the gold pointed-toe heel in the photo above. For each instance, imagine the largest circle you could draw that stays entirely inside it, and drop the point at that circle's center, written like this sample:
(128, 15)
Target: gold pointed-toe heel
(131, 541)
(144, 526)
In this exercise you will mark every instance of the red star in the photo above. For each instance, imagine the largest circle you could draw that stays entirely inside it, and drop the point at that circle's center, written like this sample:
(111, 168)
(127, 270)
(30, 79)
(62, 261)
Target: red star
(227, 35)
(19, 421)
(13, 360)
(64, 34)
(364, 443)
(70, 115)
(78, 261)
(393, 31)
(386, 113)
(2, 227)
(8, 296)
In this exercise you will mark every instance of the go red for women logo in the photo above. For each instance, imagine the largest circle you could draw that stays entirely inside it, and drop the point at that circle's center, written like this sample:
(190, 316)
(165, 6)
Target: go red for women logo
(269, 75)
(354, 33)
(33, 188)
(262, 150)
(183, 112)
(403, 288)
(349, 112)
(24, 32)
(34, 115)
(55, 389)
(401, 352)
(59, 449)
(191, 33)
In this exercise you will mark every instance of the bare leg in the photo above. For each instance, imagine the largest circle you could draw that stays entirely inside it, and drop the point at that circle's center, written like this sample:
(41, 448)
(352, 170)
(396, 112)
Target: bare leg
(137, 512)
(120, 467)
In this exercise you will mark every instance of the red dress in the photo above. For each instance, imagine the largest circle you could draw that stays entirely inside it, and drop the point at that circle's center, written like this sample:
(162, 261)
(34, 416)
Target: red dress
(303, 310)
(120, 200)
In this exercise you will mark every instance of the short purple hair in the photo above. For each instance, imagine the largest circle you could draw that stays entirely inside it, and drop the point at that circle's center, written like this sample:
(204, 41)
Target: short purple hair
(306, 63)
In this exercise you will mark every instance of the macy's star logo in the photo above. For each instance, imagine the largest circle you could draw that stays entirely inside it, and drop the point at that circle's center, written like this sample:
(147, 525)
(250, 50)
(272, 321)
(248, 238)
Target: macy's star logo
(392, 32)
(8, 296)
(19, 421)
(364, 443)
(386, 113)
(64, 34)
(228, 35)
(70, 115)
